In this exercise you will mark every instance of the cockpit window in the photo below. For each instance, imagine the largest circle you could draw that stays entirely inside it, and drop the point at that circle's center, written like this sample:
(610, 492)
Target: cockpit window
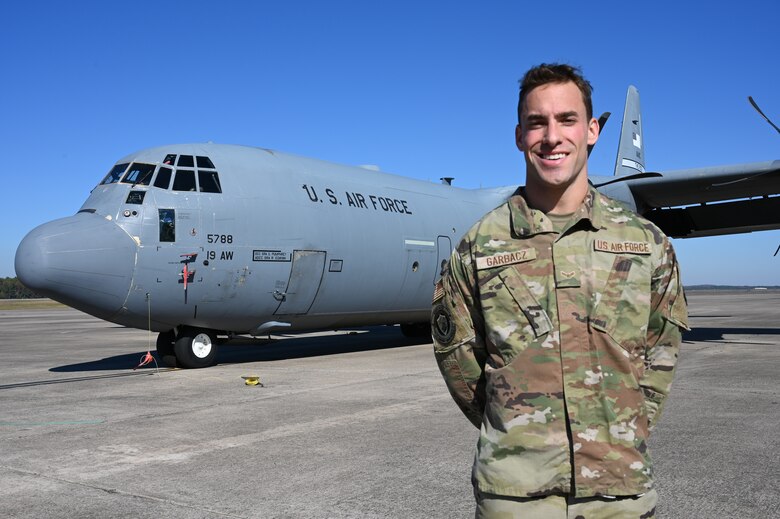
(209, 181)
(186, 175)
(115, 174)
(184, 180)
(163, 179)
(205, 162)
(185, 161)
(139, 174)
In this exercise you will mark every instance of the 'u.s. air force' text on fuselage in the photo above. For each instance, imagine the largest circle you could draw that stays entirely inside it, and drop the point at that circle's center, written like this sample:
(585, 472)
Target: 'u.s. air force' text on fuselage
(358, 200)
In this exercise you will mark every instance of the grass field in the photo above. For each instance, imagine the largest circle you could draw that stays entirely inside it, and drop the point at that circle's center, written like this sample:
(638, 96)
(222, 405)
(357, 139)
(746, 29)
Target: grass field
(29, 304)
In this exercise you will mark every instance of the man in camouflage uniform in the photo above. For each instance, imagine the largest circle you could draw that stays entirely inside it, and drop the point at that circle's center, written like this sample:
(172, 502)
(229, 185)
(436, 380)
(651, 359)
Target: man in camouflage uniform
(557, 327)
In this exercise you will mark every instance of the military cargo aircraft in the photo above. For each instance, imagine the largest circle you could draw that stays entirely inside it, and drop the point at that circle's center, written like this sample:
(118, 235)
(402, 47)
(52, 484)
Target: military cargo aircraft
(202, 242)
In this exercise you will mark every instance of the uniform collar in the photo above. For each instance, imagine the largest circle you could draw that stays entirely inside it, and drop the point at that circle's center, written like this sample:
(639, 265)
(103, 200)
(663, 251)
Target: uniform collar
(528, 222)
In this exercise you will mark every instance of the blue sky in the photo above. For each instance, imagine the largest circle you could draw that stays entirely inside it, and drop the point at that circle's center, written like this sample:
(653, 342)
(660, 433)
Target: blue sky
(422, 89)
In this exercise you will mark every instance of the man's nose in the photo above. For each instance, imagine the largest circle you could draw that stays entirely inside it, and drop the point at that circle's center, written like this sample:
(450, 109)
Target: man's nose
(552, 134)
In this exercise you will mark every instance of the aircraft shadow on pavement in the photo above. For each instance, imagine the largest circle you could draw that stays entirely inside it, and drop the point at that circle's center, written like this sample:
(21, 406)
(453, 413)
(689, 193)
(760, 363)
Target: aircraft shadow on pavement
(291, 347)
(117, 362)
(243, 350)
(716, 334)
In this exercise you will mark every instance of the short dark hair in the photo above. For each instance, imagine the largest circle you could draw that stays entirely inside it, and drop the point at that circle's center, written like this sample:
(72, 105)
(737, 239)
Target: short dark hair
(554, 73)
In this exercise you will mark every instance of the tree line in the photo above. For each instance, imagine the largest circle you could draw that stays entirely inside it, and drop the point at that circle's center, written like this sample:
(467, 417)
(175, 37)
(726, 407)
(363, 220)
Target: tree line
(12, 288)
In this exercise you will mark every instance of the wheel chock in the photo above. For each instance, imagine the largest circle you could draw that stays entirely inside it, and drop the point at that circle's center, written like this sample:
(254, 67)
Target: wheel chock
(252, 381)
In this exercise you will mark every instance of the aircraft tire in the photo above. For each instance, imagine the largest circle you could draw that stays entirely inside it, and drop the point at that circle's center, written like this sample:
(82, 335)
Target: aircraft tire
(416, 330)
(165, 349)
(195, 348)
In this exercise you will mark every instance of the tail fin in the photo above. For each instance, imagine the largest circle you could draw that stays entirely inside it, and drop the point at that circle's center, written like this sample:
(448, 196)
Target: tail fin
(631, 149)
(602, 123)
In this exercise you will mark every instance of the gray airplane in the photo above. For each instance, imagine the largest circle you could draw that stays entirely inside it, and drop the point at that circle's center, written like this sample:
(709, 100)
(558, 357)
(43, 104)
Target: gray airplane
(202, 242)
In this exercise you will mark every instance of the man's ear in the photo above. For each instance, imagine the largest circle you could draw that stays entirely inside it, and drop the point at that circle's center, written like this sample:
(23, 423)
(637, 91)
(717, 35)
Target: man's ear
(519, 138)
(593, 131)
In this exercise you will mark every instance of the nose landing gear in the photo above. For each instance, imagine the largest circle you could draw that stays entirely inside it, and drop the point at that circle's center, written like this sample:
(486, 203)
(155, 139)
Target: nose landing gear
(191, 348)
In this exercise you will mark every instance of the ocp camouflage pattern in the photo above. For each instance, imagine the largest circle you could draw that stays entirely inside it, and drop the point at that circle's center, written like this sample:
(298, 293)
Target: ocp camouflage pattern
(531, 325)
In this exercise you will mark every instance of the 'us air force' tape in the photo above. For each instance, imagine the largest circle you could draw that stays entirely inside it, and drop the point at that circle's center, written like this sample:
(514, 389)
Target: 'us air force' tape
(442, 327)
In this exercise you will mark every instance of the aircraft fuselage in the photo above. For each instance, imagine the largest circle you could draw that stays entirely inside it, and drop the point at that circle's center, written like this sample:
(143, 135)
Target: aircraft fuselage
(251, 242)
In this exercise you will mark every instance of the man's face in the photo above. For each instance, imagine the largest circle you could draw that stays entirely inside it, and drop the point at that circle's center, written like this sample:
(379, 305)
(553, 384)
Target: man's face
(554, 134)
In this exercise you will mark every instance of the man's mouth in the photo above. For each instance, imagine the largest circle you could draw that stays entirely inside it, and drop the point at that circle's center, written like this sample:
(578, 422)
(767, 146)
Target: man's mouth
(553, 156)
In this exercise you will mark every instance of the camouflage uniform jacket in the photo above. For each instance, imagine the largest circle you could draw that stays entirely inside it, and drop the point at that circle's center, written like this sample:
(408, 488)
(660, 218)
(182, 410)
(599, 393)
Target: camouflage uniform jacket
(531, 327)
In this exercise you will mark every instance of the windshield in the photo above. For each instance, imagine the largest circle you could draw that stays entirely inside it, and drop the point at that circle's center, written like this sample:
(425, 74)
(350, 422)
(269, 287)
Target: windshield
(115, 174)
(139, 174)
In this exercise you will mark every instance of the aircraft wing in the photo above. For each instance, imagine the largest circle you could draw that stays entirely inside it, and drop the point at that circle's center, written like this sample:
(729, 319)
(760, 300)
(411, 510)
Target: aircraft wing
(711, 201)
(692, 202)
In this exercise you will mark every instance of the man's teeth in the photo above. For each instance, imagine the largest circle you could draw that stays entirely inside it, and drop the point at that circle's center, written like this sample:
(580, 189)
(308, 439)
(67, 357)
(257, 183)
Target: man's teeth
(554, 157)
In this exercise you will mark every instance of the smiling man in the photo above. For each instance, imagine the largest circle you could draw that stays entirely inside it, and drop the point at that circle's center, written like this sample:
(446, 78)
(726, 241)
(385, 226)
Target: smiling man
(557, 327)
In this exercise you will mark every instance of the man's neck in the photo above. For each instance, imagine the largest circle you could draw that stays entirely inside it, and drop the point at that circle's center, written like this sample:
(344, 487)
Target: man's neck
(565, 201)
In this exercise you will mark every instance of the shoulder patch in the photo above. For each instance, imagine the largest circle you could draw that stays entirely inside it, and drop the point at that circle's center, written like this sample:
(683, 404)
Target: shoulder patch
(622, 247)
(442, 327)
(505, 258)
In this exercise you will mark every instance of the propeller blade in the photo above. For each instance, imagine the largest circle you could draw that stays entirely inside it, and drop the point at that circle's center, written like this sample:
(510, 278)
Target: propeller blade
(762, 114)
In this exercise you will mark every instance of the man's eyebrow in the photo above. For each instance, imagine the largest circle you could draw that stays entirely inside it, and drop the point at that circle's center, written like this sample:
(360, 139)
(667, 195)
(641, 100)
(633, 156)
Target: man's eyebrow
(567, 115)
(559, 116)
(535, 117)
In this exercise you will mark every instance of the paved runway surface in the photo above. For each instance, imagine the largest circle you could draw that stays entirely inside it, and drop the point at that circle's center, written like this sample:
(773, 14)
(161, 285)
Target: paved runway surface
(354, 425)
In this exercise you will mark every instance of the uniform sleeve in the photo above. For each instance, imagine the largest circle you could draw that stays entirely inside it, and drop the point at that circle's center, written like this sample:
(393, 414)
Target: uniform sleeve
(458, 340)
(668, 317)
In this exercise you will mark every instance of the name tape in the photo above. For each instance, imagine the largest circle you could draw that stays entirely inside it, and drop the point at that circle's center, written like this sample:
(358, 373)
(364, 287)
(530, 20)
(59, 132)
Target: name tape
(505, 258)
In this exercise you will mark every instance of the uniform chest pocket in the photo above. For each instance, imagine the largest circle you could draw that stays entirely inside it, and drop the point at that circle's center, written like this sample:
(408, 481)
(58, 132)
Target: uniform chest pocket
(513, 316)
(622, 303)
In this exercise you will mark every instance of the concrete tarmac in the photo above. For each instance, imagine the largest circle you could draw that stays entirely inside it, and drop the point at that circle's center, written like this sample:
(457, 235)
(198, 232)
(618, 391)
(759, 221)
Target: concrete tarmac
(347, 424)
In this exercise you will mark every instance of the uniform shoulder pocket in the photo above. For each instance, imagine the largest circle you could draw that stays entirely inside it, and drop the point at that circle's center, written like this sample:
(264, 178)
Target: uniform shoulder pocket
(451, 322)
(443, 328)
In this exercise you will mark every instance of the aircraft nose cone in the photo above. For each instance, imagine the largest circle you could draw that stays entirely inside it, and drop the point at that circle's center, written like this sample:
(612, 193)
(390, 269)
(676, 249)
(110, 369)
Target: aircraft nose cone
(84, 261)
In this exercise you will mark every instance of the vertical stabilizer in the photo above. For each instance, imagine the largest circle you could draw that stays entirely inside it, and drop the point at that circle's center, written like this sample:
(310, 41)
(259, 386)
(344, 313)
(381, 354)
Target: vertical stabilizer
(631, 148)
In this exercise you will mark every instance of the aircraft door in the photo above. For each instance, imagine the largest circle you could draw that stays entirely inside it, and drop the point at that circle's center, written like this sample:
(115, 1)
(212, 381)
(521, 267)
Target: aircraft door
(173, 239)
(443, 252)
(306, 274)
